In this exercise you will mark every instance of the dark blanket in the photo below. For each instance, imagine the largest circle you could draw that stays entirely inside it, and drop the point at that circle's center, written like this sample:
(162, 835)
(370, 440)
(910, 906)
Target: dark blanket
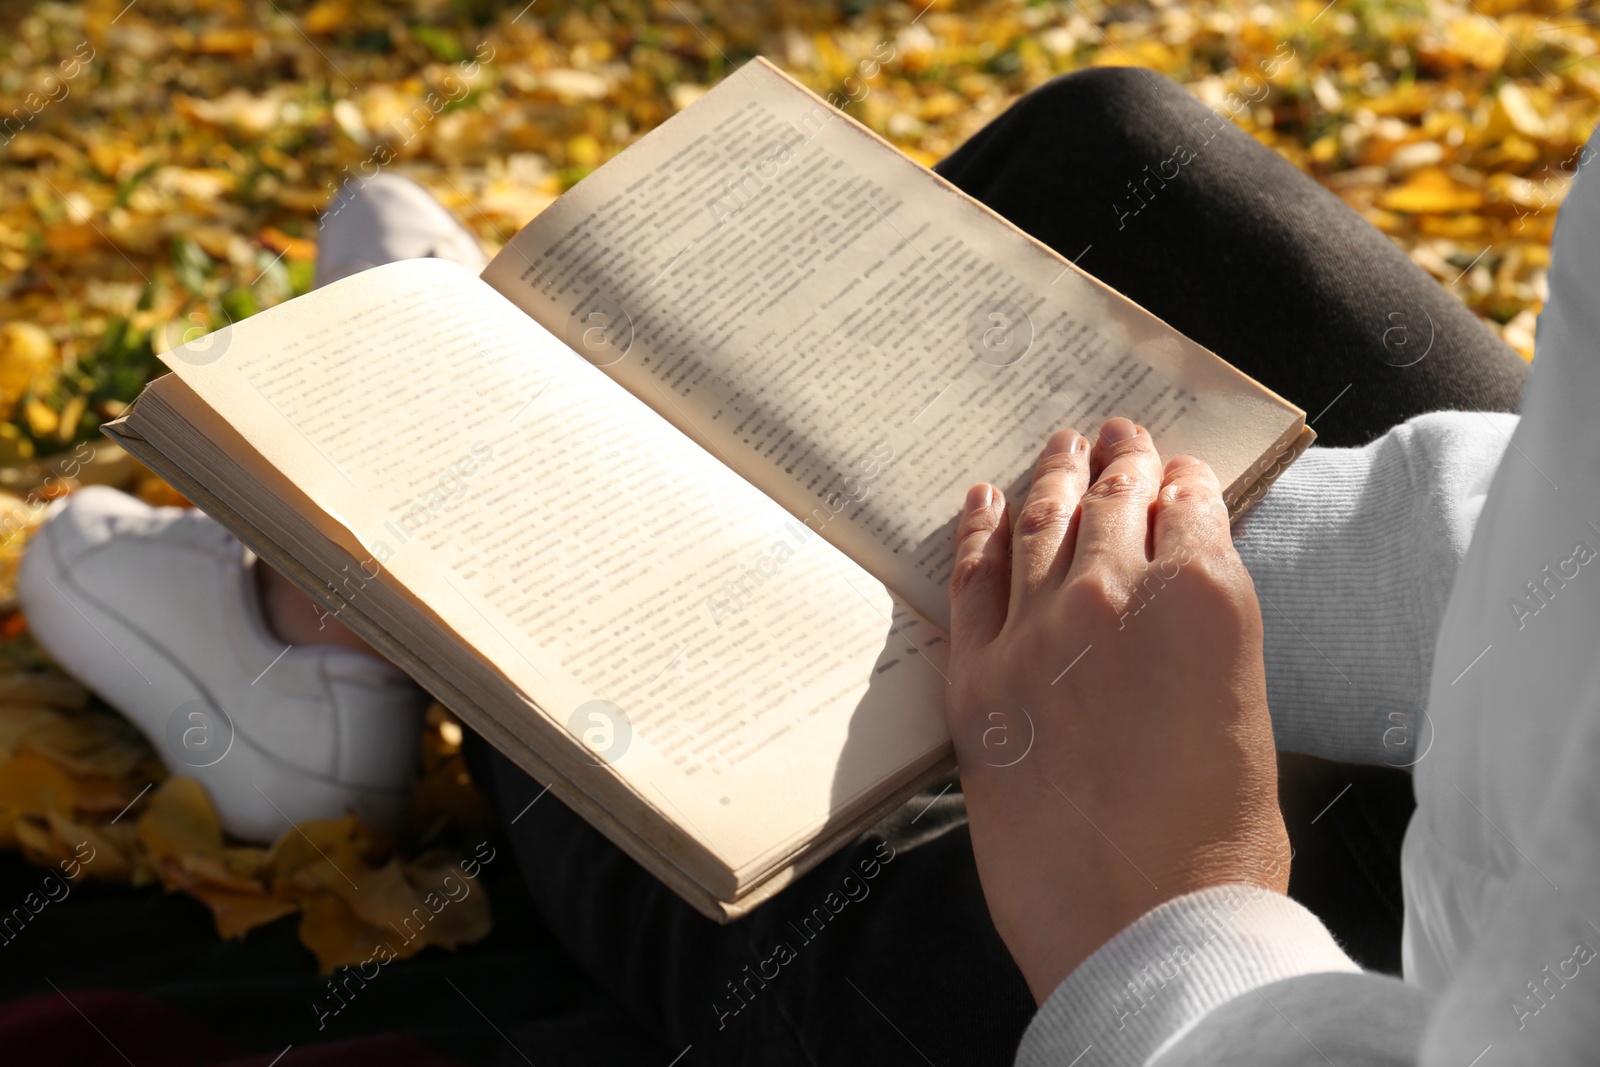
(111, 975)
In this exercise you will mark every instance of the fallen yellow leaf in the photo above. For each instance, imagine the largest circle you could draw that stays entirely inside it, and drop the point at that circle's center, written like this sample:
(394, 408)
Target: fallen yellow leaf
(180, 820)
(32, 784)
(1432, 192)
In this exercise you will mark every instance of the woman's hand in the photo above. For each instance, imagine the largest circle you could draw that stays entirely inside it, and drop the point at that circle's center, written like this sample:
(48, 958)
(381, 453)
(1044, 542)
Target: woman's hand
(1108, 702)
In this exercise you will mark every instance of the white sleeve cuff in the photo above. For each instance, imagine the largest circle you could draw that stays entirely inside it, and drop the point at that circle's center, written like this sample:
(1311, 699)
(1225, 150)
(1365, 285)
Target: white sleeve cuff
(1148, 985)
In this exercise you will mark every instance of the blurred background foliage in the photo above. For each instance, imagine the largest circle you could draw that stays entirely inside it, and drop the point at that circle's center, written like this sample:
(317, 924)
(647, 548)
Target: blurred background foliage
(162, 163)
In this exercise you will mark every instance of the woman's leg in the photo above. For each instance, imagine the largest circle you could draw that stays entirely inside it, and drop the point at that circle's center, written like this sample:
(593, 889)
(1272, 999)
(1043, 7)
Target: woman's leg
(1242, 252)
(883, 954)
(1237, 249)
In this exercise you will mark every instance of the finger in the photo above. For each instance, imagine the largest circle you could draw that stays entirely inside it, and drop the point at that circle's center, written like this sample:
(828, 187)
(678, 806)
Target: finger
(1190, 517)
(1042, 527)
(981, 579)
(1114, 529)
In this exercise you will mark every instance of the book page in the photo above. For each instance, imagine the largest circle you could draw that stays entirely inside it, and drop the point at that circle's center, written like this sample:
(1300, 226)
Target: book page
(853, 334)
(573, 536)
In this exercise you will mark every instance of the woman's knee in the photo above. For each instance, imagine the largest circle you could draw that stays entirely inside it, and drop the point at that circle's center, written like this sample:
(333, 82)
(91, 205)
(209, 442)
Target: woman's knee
(1112, 102)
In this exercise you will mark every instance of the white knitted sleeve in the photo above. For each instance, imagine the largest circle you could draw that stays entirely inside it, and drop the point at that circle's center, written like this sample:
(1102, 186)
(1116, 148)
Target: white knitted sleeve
(1142, 990)
(1353, 553)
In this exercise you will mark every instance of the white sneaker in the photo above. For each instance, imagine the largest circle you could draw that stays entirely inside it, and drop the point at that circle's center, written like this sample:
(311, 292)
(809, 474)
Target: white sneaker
(385, 218)
(156, 610)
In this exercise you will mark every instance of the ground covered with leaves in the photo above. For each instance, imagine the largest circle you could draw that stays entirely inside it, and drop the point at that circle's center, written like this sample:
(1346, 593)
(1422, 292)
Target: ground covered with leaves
(163, 162)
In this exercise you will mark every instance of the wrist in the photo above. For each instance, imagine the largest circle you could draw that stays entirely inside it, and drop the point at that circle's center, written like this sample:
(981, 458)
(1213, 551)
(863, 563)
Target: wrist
(1051, 941)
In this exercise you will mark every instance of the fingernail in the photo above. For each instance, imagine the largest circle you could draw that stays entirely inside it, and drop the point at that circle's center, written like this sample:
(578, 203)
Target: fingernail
(979, 497)
(1117, 430)
(1063, 442)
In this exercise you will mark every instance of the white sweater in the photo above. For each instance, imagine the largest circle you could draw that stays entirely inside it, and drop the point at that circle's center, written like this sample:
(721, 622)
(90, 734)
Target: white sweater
(1390, 639)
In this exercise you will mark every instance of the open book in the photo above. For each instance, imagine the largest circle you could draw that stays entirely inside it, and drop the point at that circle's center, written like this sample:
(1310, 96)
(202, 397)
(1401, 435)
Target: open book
(663, 503)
